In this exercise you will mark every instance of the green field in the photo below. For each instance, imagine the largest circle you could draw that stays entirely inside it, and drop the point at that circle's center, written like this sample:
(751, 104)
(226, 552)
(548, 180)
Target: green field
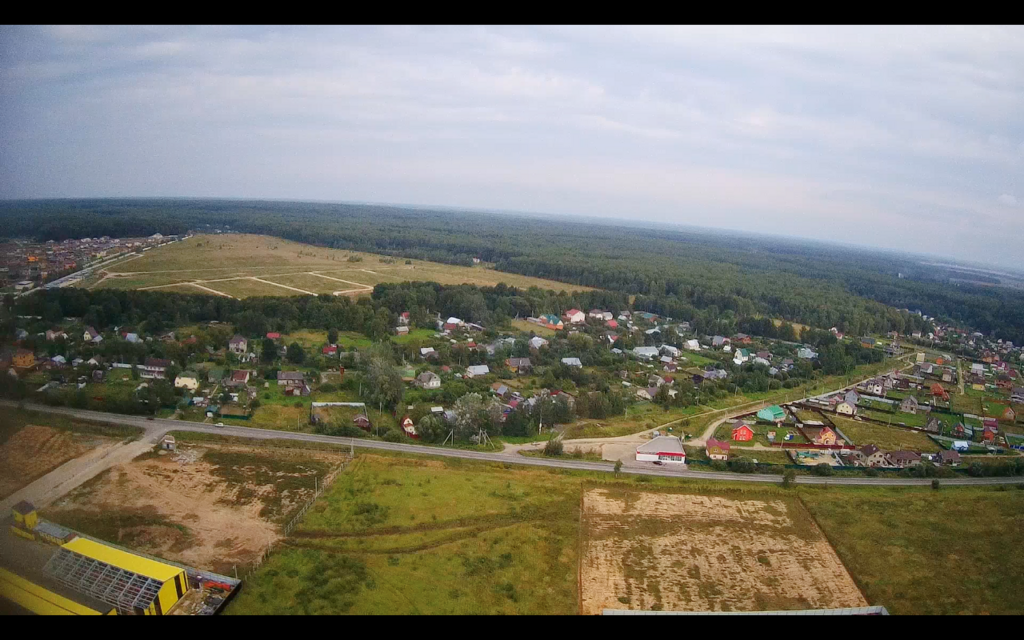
(408, 536)
(530, 327)
(209, 257)
(922, 552)
(886, 438)
(421, 535)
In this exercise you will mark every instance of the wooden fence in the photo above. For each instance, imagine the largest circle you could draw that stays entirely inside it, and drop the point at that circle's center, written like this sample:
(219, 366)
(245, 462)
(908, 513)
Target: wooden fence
(322, 486)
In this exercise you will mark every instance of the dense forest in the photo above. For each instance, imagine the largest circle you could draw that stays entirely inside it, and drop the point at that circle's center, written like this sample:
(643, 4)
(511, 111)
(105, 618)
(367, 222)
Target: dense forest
(689, 275)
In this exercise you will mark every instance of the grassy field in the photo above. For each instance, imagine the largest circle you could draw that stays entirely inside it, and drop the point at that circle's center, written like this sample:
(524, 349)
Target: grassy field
(886, 438)
(290, 263)
(918, 551)
(530, 327)
(400, 535)
(413, 534)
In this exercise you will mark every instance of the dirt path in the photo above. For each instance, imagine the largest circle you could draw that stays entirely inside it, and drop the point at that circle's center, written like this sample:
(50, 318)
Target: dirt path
(71, 474)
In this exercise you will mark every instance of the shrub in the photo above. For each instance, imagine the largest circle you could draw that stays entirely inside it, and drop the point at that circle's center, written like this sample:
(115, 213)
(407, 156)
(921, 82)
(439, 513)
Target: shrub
(298, 404)
(719, 465)
(871, 472)
(554, 448)
(328, 387)
(742, 465)
(618, 468)
(975, 470)
(788, 478)
(393, 435)
(823, 469)
(935, 484)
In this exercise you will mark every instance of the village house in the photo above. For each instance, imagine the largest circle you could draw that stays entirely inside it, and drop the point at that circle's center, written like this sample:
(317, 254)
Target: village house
(536, 342)
(238, 378)
(154, 368)
(477, 370)
(187, 380)
(237, 345)
(773, 413)
(904, 459)
(692, 345)
(290, 378)
(645, 394)
(1008, 415)
(806, 354)
(645, 353)
(409, 427)
(23, 359)
(845, 408)
(820, 435)
(948, 457)
(330, 350)
(742, 338)
(934, 425)
(742, 433)
(519, 365)
(403, 319)
(572, 362)
(871, 456)
(428, 380)
(574, 316)
(909, 405)
(868, 343)
(716, 449)
(91, 335)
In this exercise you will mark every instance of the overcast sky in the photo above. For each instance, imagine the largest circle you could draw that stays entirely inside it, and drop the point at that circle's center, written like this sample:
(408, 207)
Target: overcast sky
(897, 137)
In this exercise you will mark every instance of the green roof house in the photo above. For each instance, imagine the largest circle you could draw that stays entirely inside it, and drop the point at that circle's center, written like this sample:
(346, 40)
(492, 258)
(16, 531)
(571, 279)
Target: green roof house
(773, 413)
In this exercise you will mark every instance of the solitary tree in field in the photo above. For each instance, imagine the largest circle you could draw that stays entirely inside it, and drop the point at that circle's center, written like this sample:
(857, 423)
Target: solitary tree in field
(618, 467)
(296, 353)
(332, 336)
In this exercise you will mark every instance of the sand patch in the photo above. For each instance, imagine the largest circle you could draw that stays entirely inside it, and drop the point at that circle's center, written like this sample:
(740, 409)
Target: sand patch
(680, 552)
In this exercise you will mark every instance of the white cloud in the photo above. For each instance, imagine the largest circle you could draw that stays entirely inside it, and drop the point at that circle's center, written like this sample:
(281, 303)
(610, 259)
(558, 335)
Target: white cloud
(770, 128)
(1008, 200)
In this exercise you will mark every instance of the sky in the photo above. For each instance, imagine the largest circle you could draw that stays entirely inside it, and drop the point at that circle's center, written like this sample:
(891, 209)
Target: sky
(906, 138)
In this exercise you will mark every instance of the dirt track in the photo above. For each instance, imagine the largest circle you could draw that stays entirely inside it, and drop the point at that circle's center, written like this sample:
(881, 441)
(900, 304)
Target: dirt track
(681, 552)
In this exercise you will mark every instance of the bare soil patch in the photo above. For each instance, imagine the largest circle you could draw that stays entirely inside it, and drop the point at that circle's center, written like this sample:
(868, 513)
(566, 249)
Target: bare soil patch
(220, 510)
(682, 552)
(34, 451)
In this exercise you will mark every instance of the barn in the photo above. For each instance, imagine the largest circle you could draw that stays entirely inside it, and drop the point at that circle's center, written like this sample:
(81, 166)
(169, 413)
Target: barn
(663, 448)
(130, 583)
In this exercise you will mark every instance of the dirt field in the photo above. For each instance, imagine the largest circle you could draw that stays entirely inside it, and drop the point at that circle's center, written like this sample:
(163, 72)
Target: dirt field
(226, 264)
(35, 451)
(682, 552)
(214, 507)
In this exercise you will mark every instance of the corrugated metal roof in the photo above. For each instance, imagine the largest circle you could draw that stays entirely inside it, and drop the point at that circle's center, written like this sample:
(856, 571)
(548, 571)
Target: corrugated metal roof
(123, 559)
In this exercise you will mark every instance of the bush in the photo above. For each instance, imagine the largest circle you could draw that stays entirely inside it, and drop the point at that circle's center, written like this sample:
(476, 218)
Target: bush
(328, 387)
(788, 478)
(871, 472)
(935, 484)
(975, 470)
(393, 435)
(618, 468)
(719, 465)
(554, 448)
(298, 404)
(823, 469)
(742, 465)
(254, 405)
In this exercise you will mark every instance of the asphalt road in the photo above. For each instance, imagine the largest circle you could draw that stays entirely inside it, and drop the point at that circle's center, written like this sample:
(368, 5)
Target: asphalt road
(157, 427)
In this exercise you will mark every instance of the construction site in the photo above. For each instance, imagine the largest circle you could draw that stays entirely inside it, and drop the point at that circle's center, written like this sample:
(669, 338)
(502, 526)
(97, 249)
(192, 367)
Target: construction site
(52, 570)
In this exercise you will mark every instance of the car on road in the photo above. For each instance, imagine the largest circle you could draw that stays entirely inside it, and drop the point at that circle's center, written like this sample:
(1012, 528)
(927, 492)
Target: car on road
(150, 418)
(220, 424)
(658, 462)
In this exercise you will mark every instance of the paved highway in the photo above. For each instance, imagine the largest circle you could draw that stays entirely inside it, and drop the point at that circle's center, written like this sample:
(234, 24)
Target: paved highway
(157, 427)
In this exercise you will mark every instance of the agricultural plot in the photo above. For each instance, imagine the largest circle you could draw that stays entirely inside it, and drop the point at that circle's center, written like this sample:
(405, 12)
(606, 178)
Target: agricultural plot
(924, 552)
(287, 263)
(685, 552)
(402, 535)
(33, 451)
(207, 506)
(886, 438)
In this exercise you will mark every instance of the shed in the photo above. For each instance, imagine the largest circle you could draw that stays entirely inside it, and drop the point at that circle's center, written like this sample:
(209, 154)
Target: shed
(168, 443)
(25, 515)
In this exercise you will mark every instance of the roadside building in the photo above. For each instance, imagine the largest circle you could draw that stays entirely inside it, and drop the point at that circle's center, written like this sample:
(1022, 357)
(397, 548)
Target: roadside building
(742, 433)
(662, 448)
(716, 449)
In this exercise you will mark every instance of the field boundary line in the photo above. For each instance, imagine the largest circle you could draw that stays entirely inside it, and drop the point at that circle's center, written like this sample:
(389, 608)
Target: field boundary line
(358, 284)
(308, 293)
(835, 549)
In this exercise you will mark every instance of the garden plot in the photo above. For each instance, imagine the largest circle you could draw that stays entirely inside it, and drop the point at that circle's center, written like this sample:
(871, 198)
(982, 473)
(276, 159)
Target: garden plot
(683, 552)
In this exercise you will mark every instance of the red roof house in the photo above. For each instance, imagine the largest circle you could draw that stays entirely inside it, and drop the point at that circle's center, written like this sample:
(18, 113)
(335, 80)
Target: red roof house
(273, 335)
(330, 350)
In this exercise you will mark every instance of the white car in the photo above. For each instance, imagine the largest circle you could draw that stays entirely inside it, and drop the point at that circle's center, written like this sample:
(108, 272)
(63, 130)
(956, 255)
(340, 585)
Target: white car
(220, 424)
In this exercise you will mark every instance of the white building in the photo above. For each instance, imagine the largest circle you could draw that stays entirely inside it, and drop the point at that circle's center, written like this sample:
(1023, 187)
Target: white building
(572, 362)
(693, 345)
(477, 370)
(187, 380)
(664, 448)
(646, 353)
